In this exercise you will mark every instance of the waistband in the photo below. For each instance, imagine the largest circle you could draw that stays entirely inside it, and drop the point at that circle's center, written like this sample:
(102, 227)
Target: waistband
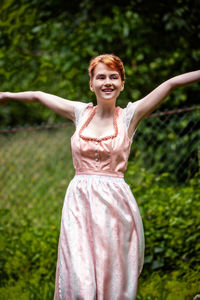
(100, 173)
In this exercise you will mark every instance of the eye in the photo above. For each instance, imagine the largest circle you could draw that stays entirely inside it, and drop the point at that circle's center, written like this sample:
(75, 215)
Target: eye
(100, 77)
(114, 76)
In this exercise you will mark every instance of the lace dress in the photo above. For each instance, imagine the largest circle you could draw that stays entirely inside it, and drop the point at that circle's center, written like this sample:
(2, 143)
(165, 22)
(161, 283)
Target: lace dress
(101, 244)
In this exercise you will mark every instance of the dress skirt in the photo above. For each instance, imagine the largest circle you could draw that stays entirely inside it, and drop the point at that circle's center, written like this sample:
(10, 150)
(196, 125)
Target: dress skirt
(101, 244)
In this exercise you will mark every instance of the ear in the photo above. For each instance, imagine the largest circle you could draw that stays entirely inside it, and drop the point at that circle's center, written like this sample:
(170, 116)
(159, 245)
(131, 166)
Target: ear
(91, 87)
(122, 86)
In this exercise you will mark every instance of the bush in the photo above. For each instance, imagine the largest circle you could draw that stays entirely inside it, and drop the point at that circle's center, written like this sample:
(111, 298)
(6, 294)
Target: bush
(171, 219)
(28, 260)
(170, 286)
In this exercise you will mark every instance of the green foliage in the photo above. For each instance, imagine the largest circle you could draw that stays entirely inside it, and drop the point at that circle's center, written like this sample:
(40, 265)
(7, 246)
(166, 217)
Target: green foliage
(28, 259)
(47, 46)
(32, 191)
(171, 219)
(34, 176)
(169, 286)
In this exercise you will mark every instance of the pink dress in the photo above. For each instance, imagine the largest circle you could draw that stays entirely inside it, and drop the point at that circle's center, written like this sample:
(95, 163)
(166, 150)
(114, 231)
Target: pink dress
(101, 245)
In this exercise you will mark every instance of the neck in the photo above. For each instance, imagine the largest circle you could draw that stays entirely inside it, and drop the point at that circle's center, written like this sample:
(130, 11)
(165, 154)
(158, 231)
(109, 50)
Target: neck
(105, 109)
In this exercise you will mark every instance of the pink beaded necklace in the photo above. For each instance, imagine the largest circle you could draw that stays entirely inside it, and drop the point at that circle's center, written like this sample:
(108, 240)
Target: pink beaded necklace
(103, 138)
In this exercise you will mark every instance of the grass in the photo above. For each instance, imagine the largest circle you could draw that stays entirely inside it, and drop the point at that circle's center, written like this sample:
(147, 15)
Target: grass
(35, 171)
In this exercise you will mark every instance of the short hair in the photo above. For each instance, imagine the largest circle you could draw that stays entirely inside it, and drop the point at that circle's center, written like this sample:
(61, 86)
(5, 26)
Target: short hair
(110, 60)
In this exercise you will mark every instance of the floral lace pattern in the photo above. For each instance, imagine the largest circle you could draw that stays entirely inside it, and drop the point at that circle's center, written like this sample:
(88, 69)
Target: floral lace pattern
(79, 108)
(128, 113)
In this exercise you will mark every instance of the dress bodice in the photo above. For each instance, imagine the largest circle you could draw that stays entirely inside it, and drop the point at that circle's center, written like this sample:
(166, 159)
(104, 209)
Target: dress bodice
(107, 155)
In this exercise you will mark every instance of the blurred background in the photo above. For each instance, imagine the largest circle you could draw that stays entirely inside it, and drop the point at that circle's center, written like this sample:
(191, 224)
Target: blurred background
(47, 46)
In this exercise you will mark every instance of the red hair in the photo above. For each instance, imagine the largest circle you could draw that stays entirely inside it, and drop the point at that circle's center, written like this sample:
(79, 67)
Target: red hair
(110, 60)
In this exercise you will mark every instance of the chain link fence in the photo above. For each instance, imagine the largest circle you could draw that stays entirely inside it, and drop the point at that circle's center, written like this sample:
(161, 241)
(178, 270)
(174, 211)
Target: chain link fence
(169, 142)
(36, 162)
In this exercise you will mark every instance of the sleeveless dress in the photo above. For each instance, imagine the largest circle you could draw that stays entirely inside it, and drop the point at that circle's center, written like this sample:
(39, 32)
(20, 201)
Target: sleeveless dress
(101, 244)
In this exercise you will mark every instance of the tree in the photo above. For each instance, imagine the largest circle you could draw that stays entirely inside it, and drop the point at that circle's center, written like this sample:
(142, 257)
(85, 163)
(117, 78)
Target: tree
(47, 46)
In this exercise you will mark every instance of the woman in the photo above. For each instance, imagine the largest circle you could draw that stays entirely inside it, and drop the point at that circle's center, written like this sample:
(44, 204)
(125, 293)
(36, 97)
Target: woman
(101, 245)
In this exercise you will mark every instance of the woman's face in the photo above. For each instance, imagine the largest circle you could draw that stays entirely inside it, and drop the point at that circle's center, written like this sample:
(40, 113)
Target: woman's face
(106, 83)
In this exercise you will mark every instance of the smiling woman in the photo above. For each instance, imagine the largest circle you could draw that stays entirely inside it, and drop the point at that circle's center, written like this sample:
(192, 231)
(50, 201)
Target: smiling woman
(101, 244)
(106, 84)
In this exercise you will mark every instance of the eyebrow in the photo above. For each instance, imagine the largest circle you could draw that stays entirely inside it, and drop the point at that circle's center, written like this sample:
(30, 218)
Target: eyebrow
(100, 74)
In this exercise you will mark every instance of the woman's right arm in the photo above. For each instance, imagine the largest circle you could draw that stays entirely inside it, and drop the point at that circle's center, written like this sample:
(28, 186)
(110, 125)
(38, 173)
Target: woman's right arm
(60, 105)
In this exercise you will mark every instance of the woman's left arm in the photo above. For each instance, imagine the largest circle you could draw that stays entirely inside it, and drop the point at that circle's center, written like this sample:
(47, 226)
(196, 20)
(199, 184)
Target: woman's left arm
(156, 97)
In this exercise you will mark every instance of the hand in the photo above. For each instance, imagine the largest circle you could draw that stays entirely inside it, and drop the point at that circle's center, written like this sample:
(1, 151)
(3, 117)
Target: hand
(3, 99)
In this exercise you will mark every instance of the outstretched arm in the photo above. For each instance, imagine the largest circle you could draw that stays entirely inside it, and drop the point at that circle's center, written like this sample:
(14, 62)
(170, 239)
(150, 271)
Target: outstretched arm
(59, 105)
(156, 97)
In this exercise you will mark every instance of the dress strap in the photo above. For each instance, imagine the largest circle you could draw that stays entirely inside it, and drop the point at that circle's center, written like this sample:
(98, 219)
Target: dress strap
(79, 108)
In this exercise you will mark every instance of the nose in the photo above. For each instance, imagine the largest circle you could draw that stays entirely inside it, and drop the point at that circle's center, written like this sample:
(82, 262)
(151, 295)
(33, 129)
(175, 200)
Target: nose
(107, 81)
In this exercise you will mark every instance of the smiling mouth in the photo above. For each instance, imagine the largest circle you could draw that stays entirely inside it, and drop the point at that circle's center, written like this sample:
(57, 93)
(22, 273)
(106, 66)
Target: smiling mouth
(107, 90)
